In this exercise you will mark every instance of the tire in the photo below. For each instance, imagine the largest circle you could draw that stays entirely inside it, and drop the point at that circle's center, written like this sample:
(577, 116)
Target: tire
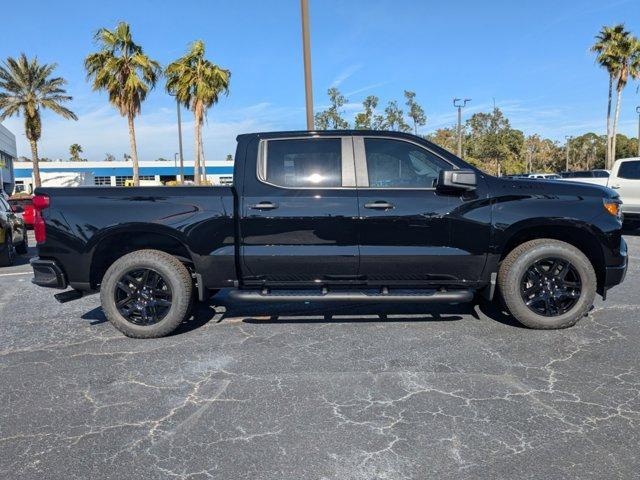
(8, 255)
(517, 264)
(175, 279)
(22, 248)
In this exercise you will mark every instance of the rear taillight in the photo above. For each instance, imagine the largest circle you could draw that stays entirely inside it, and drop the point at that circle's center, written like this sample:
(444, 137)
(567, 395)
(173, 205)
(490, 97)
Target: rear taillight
(40, 202)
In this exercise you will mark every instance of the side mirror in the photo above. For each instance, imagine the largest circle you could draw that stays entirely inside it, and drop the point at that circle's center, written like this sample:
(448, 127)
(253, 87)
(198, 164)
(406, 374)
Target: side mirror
(457, 180)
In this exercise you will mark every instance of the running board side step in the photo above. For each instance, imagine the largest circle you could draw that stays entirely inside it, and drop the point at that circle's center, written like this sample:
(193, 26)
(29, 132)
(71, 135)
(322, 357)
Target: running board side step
(400, 296)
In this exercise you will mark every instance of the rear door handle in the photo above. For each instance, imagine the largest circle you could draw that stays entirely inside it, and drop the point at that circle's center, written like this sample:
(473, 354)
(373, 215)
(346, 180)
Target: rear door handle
(379, 205)
(615, 186)
(264, 206)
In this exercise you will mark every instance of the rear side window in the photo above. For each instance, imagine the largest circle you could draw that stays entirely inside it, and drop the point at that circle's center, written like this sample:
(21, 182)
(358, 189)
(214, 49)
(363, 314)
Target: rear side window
(630, 170)
(308, 162)
(601, 174)
(399, 164)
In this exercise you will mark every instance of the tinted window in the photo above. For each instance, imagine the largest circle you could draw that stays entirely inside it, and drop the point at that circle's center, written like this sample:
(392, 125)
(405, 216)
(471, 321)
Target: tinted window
(600, 174)
(398, 164)
(630, 170)
(309, 162)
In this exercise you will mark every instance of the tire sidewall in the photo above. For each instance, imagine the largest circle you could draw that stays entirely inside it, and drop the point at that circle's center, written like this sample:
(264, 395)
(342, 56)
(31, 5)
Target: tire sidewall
(513, 278)
(181, 295)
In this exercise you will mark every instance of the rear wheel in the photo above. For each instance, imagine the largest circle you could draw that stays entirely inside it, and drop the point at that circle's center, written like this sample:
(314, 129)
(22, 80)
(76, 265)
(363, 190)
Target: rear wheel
(8, 255)
(146, 294)
(547, 284)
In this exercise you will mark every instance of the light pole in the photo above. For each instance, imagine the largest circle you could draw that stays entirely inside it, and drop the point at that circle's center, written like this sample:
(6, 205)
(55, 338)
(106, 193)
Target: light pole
(568, 140)
(306, 53)
(638, 112)
(180, 142)
(460, 103)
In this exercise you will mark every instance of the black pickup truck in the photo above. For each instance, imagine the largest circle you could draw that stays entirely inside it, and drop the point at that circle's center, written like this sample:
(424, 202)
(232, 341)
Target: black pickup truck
(332, 216)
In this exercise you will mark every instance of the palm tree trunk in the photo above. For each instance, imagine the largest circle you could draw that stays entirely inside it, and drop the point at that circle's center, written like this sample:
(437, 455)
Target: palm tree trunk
(36, 165)
(203, 162)
(615, 128)
(134, 151)
(196, 165)
(608, 151)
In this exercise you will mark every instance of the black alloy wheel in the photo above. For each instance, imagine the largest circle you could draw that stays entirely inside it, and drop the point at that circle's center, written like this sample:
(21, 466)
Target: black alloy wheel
(143, 297)
(551, 287)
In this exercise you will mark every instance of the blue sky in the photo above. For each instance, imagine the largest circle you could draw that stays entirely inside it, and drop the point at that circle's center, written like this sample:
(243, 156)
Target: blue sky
(531, 57)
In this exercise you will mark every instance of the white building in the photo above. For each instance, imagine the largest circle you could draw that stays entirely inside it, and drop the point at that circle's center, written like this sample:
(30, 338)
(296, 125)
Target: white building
(116, 174)
(7, 157)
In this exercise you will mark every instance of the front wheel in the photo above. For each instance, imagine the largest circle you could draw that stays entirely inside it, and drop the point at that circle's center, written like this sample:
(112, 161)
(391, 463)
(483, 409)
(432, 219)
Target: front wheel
(547, 284)
(22, 248)
(146, 294)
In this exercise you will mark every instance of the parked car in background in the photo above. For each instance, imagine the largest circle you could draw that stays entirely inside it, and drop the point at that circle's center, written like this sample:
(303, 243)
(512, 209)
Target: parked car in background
(625, 179)
(23, 205)
(597, 173)
(545, 176)
(331, 216)
(13, 234)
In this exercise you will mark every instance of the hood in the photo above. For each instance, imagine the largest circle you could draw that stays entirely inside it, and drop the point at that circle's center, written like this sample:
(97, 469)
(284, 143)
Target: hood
(554, 187)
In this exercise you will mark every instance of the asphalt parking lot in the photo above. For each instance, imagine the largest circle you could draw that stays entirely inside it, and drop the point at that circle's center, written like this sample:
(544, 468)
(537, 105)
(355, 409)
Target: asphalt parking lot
(455, 392)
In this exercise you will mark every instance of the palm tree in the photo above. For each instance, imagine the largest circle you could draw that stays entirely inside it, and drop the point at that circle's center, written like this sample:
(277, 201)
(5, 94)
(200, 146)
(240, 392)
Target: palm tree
(628, 54)
(605, 48)
(26, 87)
(123, 70)
(619, 53)
(75, 150)
(197, 83)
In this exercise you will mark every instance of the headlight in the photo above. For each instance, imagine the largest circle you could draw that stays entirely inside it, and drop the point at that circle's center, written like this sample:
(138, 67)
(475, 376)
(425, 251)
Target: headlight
(612, 207)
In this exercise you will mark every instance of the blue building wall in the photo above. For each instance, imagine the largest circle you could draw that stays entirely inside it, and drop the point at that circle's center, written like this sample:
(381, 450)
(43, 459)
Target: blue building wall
(119, 171)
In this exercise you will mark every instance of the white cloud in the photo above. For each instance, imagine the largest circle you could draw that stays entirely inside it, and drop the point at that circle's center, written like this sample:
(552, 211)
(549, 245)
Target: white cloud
(103, 130)
(346, 73)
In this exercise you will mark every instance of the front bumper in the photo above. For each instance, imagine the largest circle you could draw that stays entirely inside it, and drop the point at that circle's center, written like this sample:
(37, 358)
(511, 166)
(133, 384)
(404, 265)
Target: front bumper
(47, 273)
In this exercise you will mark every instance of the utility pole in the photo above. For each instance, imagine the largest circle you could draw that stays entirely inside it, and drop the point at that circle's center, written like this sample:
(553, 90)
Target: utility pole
(180, 143)
(638, 112)
(306, 53)
(566, 147)
(460, 103)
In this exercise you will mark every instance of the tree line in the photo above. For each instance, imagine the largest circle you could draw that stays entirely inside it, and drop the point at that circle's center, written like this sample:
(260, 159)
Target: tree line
(120, 68)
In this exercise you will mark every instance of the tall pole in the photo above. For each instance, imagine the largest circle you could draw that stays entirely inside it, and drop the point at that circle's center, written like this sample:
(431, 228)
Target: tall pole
(566, 147)
(306, 50)
(180, 143)
(460, 104)
(638, 111)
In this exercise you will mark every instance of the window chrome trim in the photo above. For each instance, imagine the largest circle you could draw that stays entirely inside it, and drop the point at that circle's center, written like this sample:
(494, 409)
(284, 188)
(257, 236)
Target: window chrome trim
(347, 162)
(362, 172)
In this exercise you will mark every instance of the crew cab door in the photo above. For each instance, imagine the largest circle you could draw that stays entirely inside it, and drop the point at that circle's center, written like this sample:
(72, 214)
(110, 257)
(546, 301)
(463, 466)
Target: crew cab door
(410, 233)
(299, 212)
(625, 180)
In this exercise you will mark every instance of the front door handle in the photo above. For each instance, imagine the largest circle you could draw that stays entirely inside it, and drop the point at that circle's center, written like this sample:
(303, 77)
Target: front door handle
(264, 206)
(615, 186)
(379, 205)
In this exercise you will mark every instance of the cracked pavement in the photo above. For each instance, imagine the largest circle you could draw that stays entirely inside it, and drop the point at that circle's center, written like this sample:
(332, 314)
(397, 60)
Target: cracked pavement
(304, 392)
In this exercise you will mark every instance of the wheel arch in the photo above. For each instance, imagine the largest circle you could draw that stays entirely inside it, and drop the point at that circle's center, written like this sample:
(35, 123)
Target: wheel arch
(581, 236)
(117, 242)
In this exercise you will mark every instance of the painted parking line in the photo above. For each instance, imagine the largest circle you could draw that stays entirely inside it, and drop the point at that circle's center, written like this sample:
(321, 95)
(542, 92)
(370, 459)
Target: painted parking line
(15, 273)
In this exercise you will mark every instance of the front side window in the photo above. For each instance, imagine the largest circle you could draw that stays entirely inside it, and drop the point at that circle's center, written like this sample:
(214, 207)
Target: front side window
(308, 162)
(630, 170)
(398, 164)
